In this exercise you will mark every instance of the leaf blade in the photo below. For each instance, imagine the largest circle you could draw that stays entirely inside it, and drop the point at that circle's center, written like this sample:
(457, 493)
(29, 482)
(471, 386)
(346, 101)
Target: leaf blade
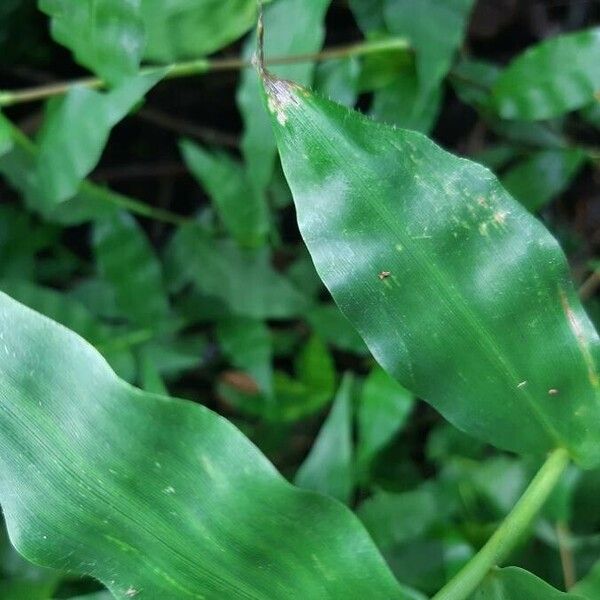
(131, 486)
(425, 262)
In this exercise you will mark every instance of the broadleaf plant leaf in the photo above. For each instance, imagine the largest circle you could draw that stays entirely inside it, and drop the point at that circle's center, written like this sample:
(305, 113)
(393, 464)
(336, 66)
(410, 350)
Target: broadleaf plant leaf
(107, 36)
(127, 261)
(559, 75)
(144, 492)
(383, 408)
(470, 304)
(328, 468)
(243, 211)
(77, 129)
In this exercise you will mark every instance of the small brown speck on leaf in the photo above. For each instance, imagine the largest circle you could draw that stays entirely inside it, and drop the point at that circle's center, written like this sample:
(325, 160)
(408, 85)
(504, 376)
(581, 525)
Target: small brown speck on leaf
(384, 275)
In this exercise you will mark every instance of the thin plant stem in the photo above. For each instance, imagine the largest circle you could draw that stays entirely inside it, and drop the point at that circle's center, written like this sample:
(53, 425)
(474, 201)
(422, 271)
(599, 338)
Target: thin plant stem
(563, 535)
(202, 66)
(510, 532)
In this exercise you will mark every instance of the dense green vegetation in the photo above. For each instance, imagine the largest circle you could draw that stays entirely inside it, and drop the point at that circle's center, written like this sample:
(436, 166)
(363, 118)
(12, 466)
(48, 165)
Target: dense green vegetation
(304, 316)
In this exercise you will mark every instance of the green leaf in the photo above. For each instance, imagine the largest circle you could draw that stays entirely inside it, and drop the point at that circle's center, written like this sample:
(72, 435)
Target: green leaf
(180, 29)
(536, 180)
(77, 129)
(315, 367)
(329, 466)
(397, 518)
(383, 408)
(435, 31)
(127, 261)
(247, 342)
(143, 492)
(396, 224)
(243, 211)
(293, 27)
(242, 278)
(107, 36)
(74, 315)
(559, 75)
(514, 583)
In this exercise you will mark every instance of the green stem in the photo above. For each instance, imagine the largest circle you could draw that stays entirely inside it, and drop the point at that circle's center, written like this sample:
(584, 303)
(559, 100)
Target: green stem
(513, 528)
(201, 66)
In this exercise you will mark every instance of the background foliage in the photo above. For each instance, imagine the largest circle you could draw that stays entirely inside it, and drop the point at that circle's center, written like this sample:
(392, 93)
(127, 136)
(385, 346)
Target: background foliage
(154, 220)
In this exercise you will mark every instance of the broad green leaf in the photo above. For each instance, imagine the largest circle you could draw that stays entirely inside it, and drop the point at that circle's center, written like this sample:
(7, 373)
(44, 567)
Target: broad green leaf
(539, 178)
(559, 75)
(383, 408)
(107, 36)
(397, 518)
(513, 583)
(293, 27)
(179, 29)
(243, 211)
(435, 30)
(247, 343)
(75, 133)
(470, 304)
(74, 315)
(329, 466)
(126, 259)
(241, 278)
(144, 493)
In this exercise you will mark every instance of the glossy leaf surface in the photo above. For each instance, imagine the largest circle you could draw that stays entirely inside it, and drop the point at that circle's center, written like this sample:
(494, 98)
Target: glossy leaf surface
(107, 36)
(144, 493)
(469, 299)
(559, 75)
